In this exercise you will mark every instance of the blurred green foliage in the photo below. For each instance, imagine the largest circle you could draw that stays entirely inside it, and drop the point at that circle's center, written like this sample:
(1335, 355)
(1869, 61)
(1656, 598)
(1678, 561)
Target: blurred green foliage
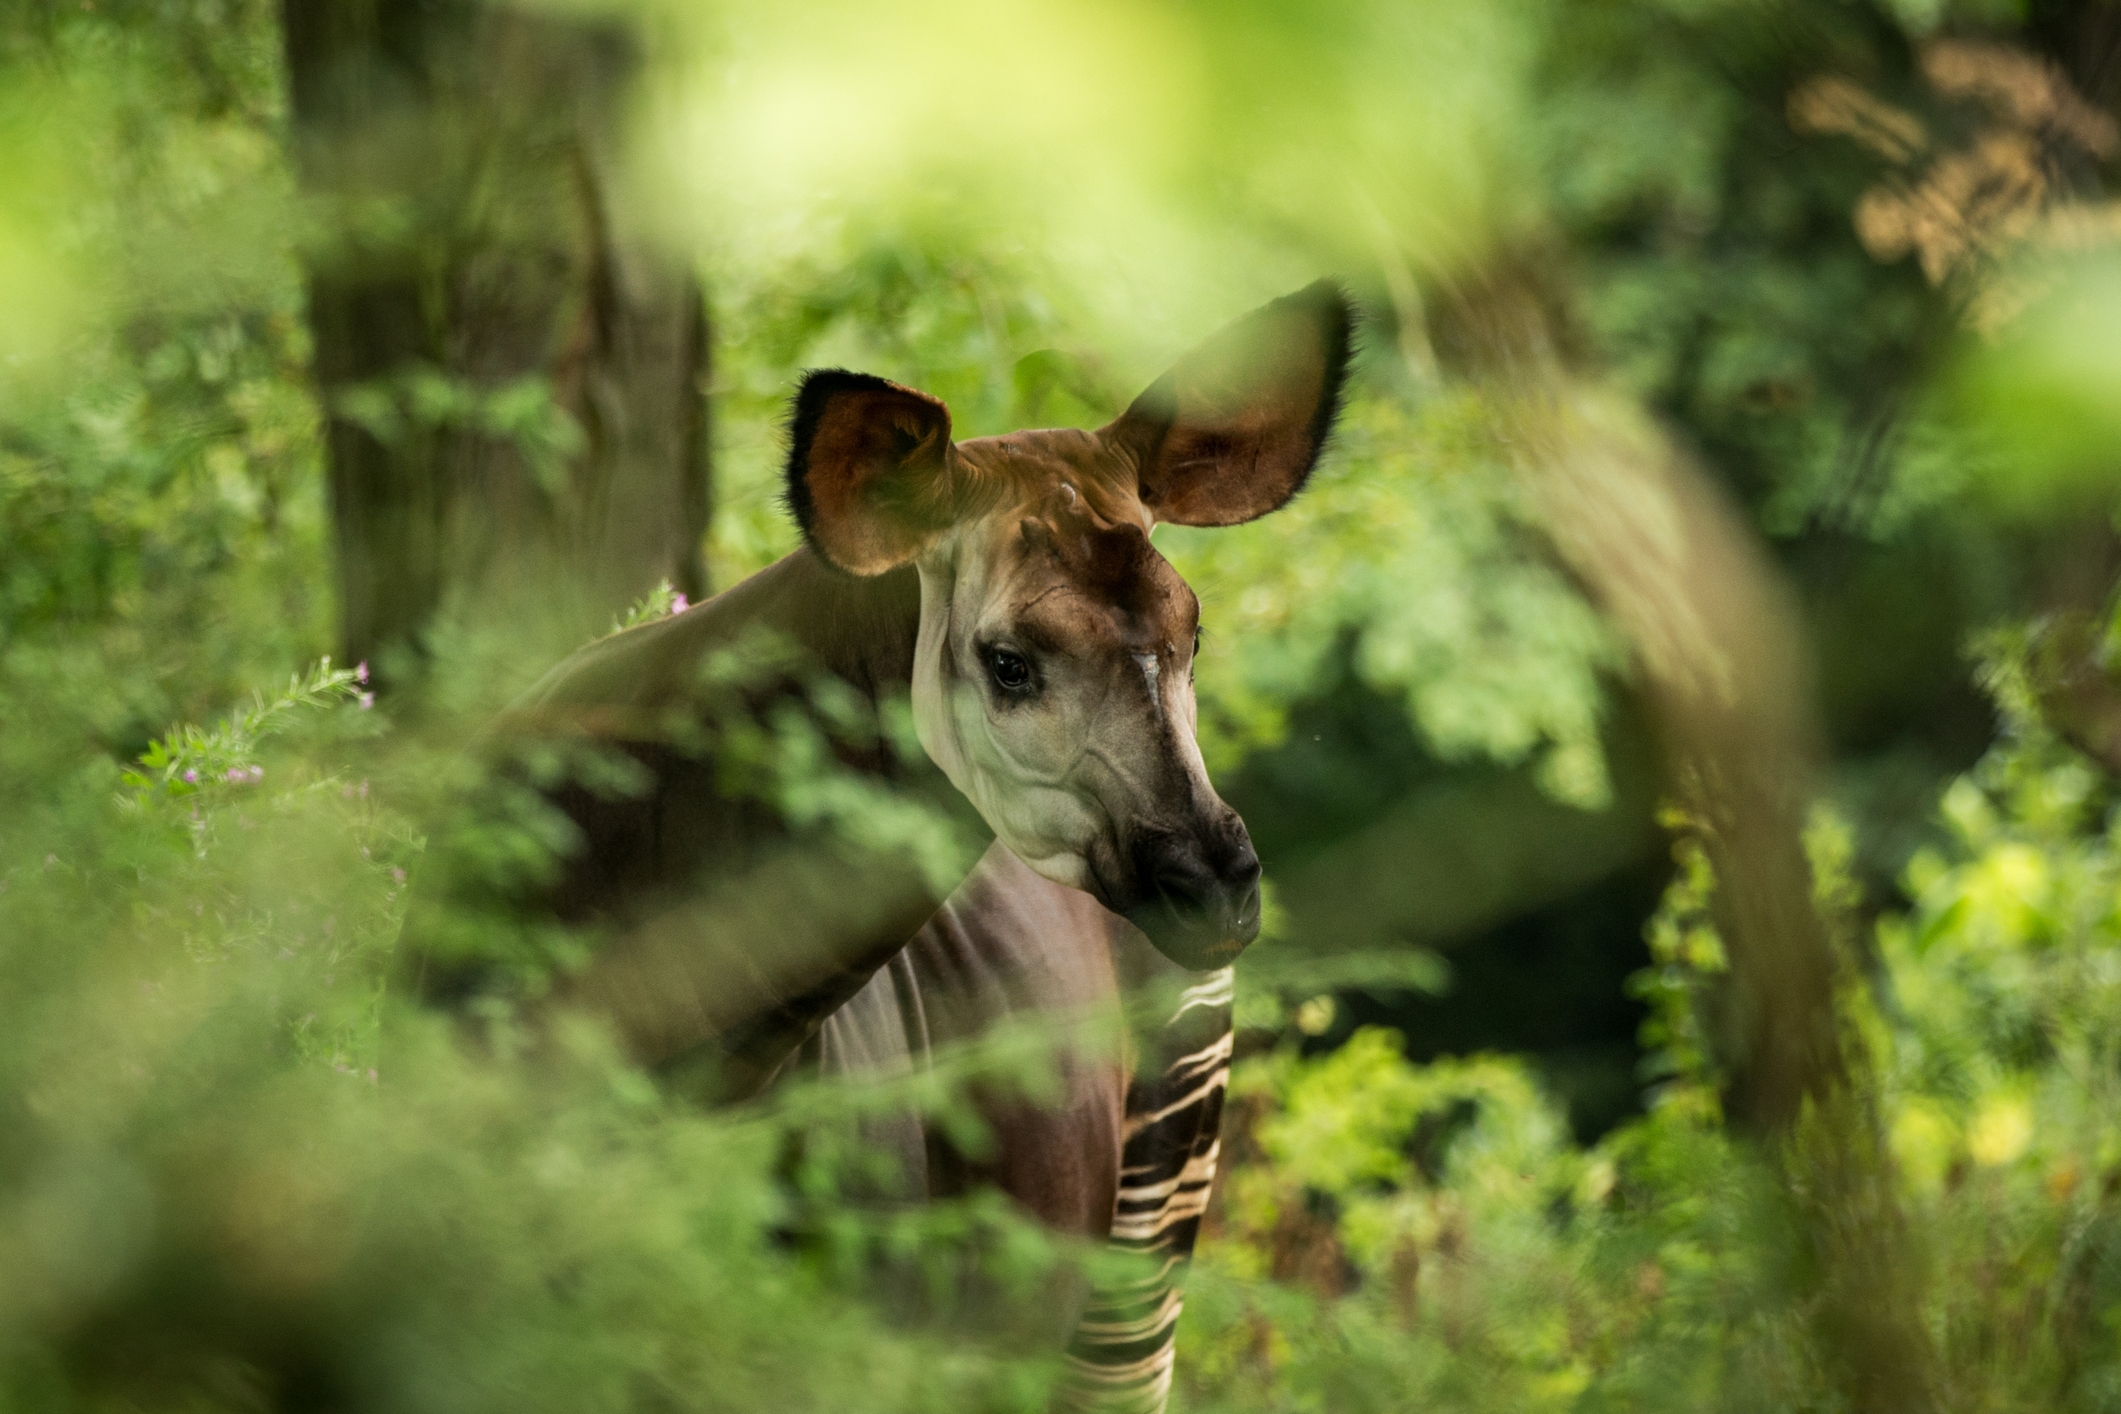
(160, 464)
(1395, 1235)
(239, 1172)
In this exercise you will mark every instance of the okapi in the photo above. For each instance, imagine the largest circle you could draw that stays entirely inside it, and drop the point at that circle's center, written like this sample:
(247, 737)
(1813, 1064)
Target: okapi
(1125, 1153)
(1008, 587)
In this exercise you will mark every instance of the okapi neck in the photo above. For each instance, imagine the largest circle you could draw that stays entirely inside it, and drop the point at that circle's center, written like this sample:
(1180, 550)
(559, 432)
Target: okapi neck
(861, 630)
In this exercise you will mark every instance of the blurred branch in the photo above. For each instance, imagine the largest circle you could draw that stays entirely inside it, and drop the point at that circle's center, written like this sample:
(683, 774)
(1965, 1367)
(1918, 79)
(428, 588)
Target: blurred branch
(1723, 667)
(1465, 853)
(1725, 671)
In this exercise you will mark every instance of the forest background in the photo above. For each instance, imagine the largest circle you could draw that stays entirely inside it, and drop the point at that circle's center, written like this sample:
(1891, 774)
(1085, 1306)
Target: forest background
(1680, 718)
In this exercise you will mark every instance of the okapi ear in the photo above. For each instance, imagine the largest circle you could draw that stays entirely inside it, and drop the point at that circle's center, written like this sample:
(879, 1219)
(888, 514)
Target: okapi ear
(1232, 431)
(871, 470)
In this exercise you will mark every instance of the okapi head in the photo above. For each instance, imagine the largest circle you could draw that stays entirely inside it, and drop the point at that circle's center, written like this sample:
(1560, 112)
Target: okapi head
(1053, 678)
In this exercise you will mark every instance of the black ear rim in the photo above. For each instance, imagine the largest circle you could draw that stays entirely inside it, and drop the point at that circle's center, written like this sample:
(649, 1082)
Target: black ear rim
(1337, 318)
(817, 390)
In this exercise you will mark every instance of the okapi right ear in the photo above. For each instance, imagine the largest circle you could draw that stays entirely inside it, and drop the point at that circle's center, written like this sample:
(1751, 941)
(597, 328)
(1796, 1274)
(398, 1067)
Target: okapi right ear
(871, 470)
(1234, 428)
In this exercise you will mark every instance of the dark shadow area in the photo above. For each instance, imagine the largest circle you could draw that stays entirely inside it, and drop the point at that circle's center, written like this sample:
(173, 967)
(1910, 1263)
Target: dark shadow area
(1550, 985)
(1538, 907)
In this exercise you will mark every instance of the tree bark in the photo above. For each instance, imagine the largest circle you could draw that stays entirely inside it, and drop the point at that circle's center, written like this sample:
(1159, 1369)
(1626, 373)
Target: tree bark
(1724, 667)
(513, 377)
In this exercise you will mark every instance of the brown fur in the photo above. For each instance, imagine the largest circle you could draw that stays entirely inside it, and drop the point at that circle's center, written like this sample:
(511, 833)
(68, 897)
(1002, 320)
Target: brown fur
(884, 481)
(1007, 946)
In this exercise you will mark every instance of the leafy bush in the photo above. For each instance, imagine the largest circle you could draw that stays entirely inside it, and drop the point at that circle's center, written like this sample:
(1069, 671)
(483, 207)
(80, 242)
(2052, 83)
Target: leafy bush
(240, 1169)
(1396, 1235)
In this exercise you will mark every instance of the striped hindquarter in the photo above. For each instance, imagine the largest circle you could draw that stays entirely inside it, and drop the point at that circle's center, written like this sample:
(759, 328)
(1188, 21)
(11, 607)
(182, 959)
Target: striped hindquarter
(1120, 1359)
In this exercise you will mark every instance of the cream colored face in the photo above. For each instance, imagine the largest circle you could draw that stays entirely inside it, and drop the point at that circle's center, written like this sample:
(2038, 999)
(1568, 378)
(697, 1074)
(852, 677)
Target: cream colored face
(1053, 684)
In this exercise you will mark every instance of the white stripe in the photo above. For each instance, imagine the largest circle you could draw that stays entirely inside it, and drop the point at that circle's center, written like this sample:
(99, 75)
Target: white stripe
(1213, 1053)
(1148, 664)
(1143, 1386)
(1188, 1204)
(1114, 1295)
(1198, 1169)
(1136, 1124)
(1132, 1370)
(1129, 1331)
(1220, 989)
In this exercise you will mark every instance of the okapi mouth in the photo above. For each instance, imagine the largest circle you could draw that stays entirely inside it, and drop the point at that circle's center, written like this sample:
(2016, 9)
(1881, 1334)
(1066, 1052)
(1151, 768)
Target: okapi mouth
(1196, 897)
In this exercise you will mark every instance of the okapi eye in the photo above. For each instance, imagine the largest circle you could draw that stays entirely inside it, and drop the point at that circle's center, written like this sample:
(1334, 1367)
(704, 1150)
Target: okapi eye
(1011, 672)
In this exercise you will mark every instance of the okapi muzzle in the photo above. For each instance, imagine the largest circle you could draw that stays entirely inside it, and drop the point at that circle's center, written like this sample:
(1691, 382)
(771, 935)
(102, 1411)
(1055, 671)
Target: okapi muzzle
(1053, 676)
(1196, 895)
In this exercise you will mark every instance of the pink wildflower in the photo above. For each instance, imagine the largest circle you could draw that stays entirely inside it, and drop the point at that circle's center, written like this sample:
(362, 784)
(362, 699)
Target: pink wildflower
(360, 672)
(191, 778)
(368, 700)
(237, 773)
(679, 603)
(397, 876)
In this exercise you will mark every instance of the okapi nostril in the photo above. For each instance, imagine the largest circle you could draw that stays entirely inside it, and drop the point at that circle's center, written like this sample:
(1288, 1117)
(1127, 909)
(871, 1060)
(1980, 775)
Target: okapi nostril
(1186, 889)
(1222, 892)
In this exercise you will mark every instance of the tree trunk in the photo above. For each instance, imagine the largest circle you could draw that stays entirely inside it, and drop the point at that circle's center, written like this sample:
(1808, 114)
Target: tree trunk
(1724, 668)
(513, 378)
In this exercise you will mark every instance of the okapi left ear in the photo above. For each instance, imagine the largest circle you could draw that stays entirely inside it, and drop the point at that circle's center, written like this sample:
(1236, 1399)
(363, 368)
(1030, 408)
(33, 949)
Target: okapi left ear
(1232, 431)
(873, 477)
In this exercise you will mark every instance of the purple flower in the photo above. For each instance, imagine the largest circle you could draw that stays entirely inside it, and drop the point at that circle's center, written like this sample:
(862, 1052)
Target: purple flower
(360, 672)
(367, 700)
(191, 778)
(679, 603)
(237, 773)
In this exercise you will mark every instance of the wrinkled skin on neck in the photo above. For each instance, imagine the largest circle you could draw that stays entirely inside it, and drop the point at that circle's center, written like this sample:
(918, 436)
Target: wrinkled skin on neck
(1053, 684)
